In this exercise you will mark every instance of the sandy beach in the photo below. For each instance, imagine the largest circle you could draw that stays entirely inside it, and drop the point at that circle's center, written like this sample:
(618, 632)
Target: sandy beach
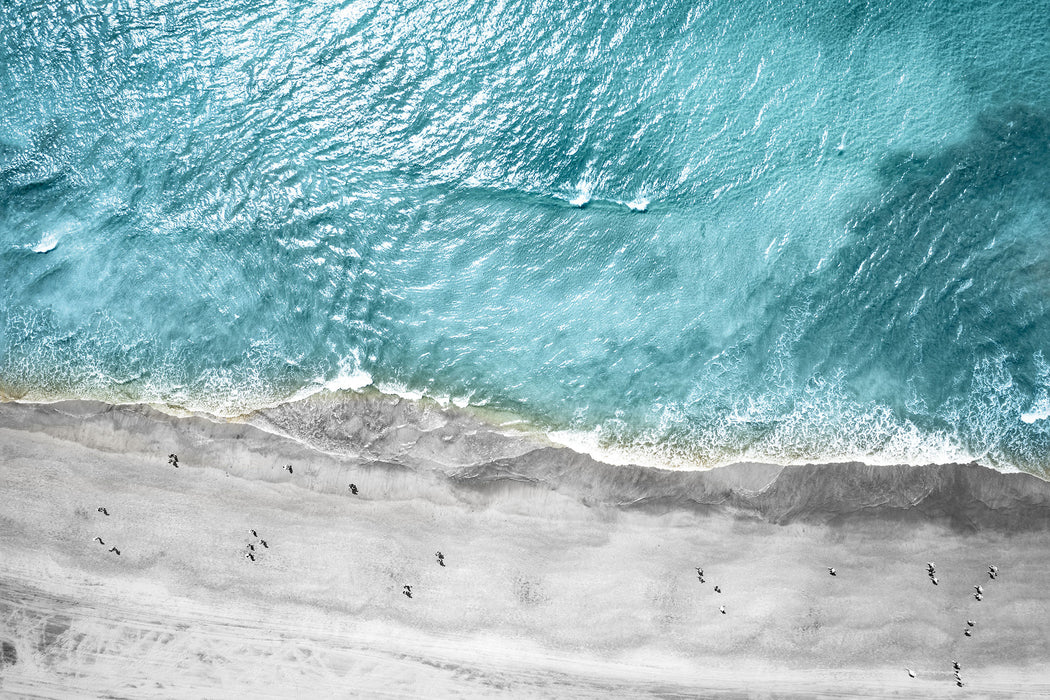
(563, 577)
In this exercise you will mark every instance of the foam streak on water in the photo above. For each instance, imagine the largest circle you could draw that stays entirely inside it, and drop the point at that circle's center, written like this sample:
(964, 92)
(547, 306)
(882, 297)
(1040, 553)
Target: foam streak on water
(693, 232)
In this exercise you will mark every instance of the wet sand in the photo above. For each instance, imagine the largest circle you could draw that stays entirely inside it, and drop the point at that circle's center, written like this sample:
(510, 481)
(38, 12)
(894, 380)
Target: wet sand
(563, 577)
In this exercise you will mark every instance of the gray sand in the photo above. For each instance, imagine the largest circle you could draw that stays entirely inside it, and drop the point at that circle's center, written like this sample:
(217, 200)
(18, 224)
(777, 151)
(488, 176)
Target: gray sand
(563, 577)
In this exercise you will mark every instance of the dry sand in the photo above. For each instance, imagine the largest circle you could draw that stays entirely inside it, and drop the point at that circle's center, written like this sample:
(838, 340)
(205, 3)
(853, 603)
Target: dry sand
(564, 578)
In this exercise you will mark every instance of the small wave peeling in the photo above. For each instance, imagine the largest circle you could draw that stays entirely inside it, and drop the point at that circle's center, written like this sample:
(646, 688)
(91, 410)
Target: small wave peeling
(672, 233)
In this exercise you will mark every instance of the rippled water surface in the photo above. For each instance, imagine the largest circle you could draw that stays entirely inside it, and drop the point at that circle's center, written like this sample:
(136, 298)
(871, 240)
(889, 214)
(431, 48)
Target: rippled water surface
(696, 232)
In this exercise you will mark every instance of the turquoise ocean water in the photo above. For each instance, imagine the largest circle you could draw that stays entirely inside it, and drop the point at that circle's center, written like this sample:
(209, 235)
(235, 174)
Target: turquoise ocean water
(691, 232)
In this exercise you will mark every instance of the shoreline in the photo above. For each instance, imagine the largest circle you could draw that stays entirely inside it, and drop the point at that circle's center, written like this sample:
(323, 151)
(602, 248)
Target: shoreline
(464, 450)
(564, 576)
(354, 389)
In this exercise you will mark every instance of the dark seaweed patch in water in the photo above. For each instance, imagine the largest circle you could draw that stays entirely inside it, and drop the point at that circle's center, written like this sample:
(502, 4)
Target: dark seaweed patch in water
(38, 176)
(8, 654)
(945, 277)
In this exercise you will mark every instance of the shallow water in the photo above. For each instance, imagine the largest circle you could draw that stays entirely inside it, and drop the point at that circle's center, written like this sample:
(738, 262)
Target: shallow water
(689, 233)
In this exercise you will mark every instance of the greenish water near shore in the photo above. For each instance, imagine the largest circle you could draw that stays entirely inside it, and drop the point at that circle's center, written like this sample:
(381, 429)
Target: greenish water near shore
(695, 233)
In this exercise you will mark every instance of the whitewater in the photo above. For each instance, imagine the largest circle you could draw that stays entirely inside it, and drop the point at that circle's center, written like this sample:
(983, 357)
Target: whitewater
(670, 233)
